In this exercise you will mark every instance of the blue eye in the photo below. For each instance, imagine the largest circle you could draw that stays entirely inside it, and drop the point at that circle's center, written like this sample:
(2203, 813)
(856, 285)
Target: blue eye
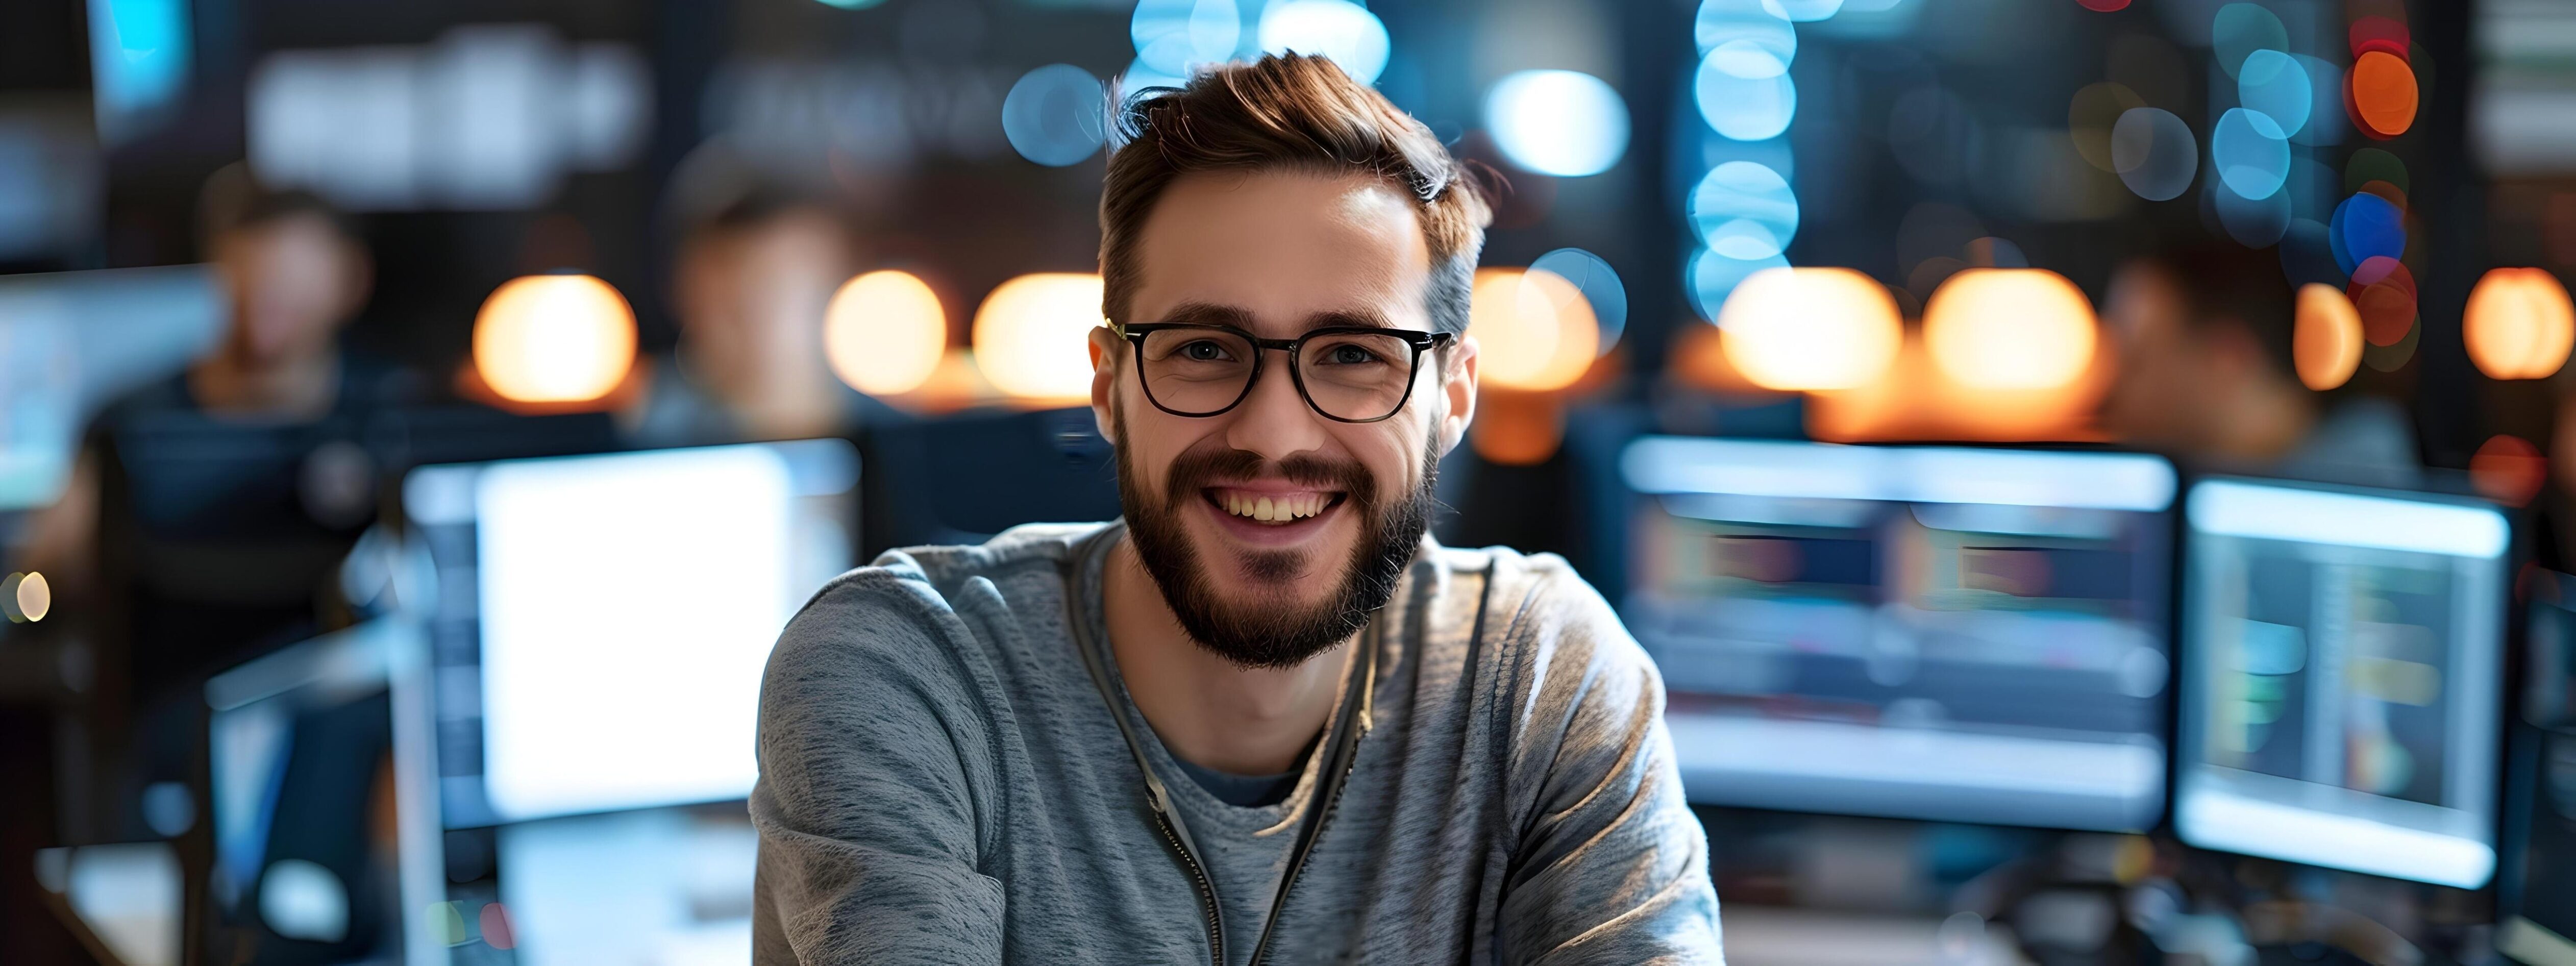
(1350, 355)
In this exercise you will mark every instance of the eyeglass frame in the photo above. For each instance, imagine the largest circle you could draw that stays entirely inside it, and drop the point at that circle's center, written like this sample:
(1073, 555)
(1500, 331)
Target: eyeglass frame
(1415, 339)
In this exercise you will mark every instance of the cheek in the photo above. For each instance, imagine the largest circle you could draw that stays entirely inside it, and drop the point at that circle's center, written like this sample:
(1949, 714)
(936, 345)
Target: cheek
(1394, 457)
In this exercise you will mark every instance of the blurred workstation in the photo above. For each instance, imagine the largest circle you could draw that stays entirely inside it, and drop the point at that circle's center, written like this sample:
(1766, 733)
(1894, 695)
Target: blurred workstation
(2095, 475)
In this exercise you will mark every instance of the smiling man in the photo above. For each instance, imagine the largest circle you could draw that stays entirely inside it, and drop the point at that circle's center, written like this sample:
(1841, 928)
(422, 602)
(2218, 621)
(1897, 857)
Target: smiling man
(1263, 719)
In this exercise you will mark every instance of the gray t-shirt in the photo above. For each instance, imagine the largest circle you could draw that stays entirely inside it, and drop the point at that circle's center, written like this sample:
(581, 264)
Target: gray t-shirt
(942, 783)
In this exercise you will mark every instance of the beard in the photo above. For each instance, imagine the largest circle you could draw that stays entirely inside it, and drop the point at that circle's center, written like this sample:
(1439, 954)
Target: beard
(1247, 630)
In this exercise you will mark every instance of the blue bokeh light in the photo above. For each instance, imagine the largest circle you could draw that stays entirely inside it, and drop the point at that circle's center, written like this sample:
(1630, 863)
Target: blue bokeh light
(1560, 122)
(1172, 35)
(1744, 108)
(2276, 85)
(2251, 153)
(1804, 11)
(1752, 25)
(1345, 32)
(1745, 211)
(1599, 284)
(2154, 153)
(2366, 226)
(1055, 115)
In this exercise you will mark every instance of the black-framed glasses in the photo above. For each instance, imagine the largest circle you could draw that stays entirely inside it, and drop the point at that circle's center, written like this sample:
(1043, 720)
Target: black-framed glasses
(1351, 374)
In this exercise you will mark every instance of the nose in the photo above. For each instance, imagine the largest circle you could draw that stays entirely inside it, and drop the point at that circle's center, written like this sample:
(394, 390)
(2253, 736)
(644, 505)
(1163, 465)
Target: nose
(1275, 421)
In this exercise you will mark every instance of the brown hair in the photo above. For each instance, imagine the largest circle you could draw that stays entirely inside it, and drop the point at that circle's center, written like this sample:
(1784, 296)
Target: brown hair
(1286, 112)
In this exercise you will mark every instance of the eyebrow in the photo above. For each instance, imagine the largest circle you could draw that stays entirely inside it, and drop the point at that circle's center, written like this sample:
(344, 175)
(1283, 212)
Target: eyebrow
(1209, 313)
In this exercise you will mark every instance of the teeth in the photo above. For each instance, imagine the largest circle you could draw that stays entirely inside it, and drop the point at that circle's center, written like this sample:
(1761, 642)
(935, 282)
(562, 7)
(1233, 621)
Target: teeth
(1279, 509)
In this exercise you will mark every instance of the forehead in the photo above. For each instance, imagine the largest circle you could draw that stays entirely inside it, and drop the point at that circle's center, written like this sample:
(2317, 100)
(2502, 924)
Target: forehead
(1284, 248)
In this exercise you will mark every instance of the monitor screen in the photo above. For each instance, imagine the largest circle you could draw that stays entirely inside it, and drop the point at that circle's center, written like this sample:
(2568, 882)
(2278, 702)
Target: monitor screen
(2340, 678)
(1937, 633)
(2537, 894)
(317, 822)
(72, 341)
(602, 622)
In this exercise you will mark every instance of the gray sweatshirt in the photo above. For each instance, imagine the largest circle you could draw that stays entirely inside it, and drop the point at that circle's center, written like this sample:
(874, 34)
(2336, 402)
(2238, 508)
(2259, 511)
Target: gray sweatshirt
(941, 782)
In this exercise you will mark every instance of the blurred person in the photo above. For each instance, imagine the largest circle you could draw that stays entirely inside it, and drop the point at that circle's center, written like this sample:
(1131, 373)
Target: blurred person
(295, 272)
(2206, 375)
(1263, 717)
(749, 288)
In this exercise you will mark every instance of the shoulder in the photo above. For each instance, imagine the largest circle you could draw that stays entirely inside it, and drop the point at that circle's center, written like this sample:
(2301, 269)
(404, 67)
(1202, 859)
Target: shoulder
(904, 616)
(1552, 644)
(1534, 602)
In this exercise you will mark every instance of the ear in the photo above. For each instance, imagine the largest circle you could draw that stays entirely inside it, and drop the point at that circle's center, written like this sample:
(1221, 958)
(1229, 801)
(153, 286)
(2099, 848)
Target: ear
(1458, 382)
(1104, 346)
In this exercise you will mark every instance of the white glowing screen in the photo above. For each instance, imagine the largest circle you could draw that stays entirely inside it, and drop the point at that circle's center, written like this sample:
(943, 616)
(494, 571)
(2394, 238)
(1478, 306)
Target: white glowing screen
(629, 603)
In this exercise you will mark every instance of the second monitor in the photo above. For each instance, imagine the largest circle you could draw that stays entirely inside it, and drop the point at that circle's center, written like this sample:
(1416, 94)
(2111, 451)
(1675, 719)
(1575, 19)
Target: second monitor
(2343, 652)
(1935, 633)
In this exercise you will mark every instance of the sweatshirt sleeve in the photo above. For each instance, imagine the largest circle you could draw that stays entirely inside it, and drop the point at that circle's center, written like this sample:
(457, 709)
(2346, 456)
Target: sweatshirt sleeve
(871, 772)
(1610, 865)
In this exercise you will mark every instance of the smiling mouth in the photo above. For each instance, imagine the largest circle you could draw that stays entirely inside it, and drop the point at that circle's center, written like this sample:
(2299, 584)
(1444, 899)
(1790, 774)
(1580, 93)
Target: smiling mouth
(1273, 509)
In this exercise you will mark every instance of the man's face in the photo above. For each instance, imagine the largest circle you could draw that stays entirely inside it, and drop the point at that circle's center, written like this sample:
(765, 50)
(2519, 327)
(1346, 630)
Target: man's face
(751, 302)
(1278, 254)
(294, 280)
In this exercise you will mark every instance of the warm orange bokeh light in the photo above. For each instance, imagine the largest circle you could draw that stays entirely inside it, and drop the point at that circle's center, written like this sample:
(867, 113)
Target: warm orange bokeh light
(1533, 330)
(1517, 428)
(2326, 345)
(1806, 329)
(2010, 328)
(2519, 324)
(2382, 94)
(1915, 400)
(884, 332)
(2508, 470)
(554, 339)
(1032, 335)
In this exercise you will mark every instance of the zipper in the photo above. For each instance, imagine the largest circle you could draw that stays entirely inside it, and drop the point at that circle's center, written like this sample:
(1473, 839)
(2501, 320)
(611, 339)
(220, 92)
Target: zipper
(1352, 726)
(1297, 863)
(1207, 890)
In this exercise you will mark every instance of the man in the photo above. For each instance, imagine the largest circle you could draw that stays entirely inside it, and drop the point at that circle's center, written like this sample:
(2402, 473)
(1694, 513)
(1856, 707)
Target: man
(750, 286)
(1264, 719)
(2206, 375)
(296, 272)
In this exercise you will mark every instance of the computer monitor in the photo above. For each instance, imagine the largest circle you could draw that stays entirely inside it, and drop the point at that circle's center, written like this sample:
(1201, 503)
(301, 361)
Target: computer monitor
(1938, 633)
(2536, 891)
(220, 534)
(604, 620)
(321, 834)
(2340, 677)
(963, 478)
(71, 341)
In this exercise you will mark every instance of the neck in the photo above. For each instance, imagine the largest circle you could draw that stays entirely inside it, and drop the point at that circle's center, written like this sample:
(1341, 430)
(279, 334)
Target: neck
(790, 406)
(1210, 711)
(299, 388)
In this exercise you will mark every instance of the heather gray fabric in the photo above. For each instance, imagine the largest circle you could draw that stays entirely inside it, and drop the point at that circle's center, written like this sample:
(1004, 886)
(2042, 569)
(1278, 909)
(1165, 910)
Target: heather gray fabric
(942, 783)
